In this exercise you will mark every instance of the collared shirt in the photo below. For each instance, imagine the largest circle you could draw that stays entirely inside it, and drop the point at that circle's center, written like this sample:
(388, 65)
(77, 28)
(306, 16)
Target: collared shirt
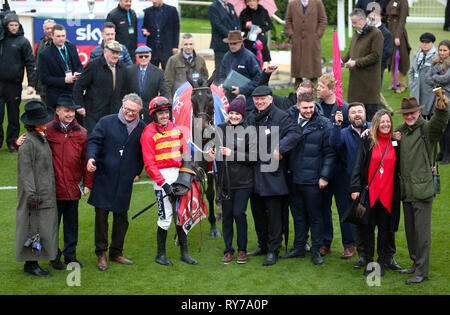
(189, 58)
(302, 121)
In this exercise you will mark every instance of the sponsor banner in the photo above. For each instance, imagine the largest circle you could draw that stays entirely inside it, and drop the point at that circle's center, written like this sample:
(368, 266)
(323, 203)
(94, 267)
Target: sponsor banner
(84, 33)
(191, 210)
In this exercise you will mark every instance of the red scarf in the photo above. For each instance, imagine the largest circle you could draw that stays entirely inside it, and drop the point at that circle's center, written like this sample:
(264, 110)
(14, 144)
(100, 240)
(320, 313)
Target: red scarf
(382, 186)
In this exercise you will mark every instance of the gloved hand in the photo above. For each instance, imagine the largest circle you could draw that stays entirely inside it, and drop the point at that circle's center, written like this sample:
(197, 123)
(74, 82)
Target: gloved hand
(32, 202)
(169, 190)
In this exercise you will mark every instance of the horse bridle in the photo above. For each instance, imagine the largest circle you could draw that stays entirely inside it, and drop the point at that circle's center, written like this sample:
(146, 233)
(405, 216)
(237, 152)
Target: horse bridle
(208, 116)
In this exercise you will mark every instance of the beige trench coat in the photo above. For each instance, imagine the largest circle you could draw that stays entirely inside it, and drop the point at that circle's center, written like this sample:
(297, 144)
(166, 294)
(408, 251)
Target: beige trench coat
(305, 32)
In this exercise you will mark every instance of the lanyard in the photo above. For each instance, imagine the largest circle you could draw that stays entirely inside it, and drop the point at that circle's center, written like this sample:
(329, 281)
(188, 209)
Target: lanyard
(129, 18)
(62, 56)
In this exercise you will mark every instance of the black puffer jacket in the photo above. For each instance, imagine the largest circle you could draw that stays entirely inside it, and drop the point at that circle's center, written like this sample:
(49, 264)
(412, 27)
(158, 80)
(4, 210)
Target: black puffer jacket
(240, 163)
(15, 54)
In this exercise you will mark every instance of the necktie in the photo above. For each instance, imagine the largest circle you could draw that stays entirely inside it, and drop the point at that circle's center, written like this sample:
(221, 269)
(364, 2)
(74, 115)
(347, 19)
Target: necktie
(225, 4)
(113, 76)
(142, 76)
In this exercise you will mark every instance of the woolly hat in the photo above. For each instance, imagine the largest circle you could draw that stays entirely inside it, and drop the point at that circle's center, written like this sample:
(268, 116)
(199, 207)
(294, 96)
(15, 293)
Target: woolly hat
(11, 17)
(238, 105)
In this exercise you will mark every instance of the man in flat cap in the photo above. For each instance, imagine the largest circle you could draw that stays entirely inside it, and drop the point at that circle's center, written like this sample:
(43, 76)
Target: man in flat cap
(277, 135)
(146, 80)
(99, 88)
(417, 155)
(243, 61)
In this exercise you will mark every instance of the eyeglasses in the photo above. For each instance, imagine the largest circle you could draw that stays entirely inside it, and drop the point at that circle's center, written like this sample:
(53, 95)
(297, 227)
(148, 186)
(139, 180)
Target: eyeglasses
(143, 56)
(130, 111)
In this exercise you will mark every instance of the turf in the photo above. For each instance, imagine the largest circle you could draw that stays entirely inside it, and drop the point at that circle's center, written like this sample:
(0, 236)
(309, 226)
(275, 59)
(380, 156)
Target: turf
(210, 276)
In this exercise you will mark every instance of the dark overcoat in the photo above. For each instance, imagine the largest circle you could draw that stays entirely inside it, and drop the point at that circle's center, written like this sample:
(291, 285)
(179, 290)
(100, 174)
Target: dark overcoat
(273, 182)
(94, 90)
(165, 36)
(221, 23)
(118, 157)
(52, 71)
(306, 30)
(396, 13)
(364, 82)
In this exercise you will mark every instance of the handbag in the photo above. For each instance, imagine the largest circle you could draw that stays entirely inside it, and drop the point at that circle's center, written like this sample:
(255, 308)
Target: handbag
(357, 210)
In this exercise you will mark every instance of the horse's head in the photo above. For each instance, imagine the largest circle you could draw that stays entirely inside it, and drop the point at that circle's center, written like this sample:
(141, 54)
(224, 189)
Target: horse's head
(202, 100)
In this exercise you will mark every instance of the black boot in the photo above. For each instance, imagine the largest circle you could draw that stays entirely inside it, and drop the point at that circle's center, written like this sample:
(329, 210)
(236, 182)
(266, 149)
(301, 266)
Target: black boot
(182, 240)
(33, 268)
(161, 257)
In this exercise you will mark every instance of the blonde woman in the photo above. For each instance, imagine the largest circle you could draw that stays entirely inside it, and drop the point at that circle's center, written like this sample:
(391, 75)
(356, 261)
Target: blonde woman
(375, 172)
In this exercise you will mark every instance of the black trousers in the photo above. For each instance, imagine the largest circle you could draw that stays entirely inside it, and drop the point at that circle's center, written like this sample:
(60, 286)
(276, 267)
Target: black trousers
(119, 229)
(68, 211)
(11, 95)
(371, 109)
(385, 238)
(266, 212)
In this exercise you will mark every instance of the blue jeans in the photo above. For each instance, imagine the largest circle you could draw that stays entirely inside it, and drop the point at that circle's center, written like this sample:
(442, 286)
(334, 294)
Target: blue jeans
(234, 209)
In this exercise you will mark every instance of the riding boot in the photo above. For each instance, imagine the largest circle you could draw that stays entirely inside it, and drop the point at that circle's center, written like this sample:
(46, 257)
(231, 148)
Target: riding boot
(161, 257)
(182, 239)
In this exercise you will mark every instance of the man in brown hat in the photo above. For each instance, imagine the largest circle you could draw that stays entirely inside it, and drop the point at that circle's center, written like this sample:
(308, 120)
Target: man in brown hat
(98, 89)
(417, 154)
(242, 61)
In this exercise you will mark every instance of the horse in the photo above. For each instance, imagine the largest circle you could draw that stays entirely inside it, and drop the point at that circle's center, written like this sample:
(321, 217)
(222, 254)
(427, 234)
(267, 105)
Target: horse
(203, 117)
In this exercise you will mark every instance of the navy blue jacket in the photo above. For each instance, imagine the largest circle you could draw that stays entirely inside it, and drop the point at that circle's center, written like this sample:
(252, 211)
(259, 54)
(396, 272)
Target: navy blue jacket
(123, 56)
(118, 157)
(52, 71)
(312, 158)
(221, 23)
(245, 63)
(345, 141)
(273, 183)
(169, 30)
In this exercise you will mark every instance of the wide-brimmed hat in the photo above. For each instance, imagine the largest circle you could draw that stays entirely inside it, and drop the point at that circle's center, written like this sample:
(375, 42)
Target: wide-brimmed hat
(114, 46)
(36, 113)
(409, 105)
(67, 101)
(234, 37)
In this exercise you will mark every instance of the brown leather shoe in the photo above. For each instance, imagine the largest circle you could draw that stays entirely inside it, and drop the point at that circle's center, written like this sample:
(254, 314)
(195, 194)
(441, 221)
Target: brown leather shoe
(324, 250)
(102, 265)
(122, 260)
(348, 252)
(227, 258)
(242, 257)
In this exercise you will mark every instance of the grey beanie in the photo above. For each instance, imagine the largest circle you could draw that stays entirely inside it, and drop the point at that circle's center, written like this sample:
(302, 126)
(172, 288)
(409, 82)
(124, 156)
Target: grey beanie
(11, 17)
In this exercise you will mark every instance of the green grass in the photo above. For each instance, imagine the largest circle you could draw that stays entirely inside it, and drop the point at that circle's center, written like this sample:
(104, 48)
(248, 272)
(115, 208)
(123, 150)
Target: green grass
(210, 276)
